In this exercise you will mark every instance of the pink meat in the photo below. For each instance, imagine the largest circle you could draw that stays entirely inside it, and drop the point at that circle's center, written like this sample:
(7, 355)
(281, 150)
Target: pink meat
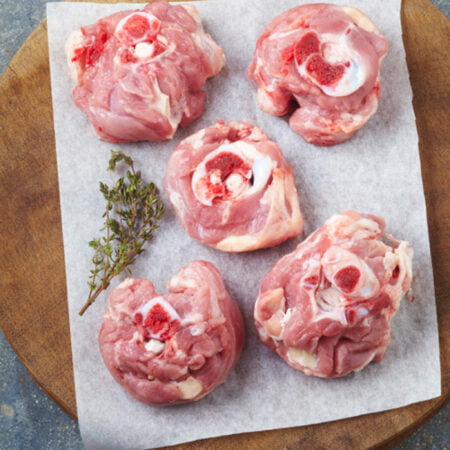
(232, 189)
(176, 347)
(321, 62)
(326, 308)
(139, 73)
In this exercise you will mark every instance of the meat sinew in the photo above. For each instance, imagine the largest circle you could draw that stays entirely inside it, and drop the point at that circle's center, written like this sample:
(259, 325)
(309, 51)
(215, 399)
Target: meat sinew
(139, 73)
(232, 188)
(323, 62)
(176, 347)
(326, 308)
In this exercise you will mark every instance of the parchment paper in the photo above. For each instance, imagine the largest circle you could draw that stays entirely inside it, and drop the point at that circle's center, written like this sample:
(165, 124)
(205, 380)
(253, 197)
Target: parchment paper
(378, 172)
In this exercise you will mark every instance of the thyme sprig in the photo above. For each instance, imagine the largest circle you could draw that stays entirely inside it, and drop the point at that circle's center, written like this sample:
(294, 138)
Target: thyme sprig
(132, 211)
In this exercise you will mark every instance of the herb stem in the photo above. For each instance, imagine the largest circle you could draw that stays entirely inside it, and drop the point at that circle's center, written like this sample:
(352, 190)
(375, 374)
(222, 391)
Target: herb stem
(132, 211)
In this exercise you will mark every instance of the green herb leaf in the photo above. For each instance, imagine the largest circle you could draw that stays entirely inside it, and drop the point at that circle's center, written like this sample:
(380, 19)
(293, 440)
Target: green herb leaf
(132, 211)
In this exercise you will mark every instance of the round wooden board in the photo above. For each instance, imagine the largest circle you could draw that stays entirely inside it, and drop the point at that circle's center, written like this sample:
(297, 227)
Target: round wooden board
(33, 310)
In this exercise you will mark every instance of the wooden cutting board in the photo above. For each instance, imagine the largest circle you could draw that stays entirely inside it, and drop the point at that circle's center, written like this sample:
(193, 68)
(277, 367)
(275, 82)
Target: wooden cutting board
(33, 309)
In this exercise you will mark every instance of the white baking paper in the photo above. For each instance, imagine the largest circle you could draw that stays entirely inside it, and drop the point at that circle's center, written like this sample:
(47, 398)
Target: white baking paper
(378, 172)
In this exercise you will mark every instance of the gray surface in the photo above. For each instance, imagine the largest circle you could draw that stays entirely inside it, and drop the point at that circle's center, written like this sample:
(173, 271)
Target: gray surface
(30, 419)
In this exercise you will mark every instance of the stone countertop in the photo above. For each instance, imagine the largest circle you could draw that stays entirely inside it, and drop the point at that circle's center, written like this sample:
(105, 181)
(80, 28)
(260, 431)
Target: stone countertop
(28, 417)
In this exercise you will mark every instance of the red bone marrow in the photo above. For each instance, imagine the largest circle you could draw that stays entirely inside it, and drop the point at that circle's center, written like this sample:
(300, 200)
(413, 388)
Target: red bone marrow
(158, 319)
(137, 27)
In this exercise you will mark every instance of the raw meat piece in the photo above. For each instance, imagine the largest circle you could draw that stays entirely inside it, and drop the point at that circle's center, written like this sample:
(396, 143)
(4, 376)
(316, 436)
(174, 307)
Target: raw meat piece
(326, 307)
(323, 62)
(139, 73)
(176, 347)
(232, 188)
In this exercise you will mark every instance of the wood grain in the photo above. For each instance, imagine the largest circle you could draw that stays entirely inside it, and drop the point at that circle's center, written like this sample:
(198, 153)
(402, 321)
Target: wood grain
(33, 309)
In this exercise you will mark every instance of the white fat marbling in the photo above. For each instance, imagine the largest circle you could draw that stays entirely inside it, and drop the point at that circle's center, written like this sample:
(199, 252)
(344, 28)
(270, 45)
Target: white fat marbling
(155, 346)
(144, 50)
